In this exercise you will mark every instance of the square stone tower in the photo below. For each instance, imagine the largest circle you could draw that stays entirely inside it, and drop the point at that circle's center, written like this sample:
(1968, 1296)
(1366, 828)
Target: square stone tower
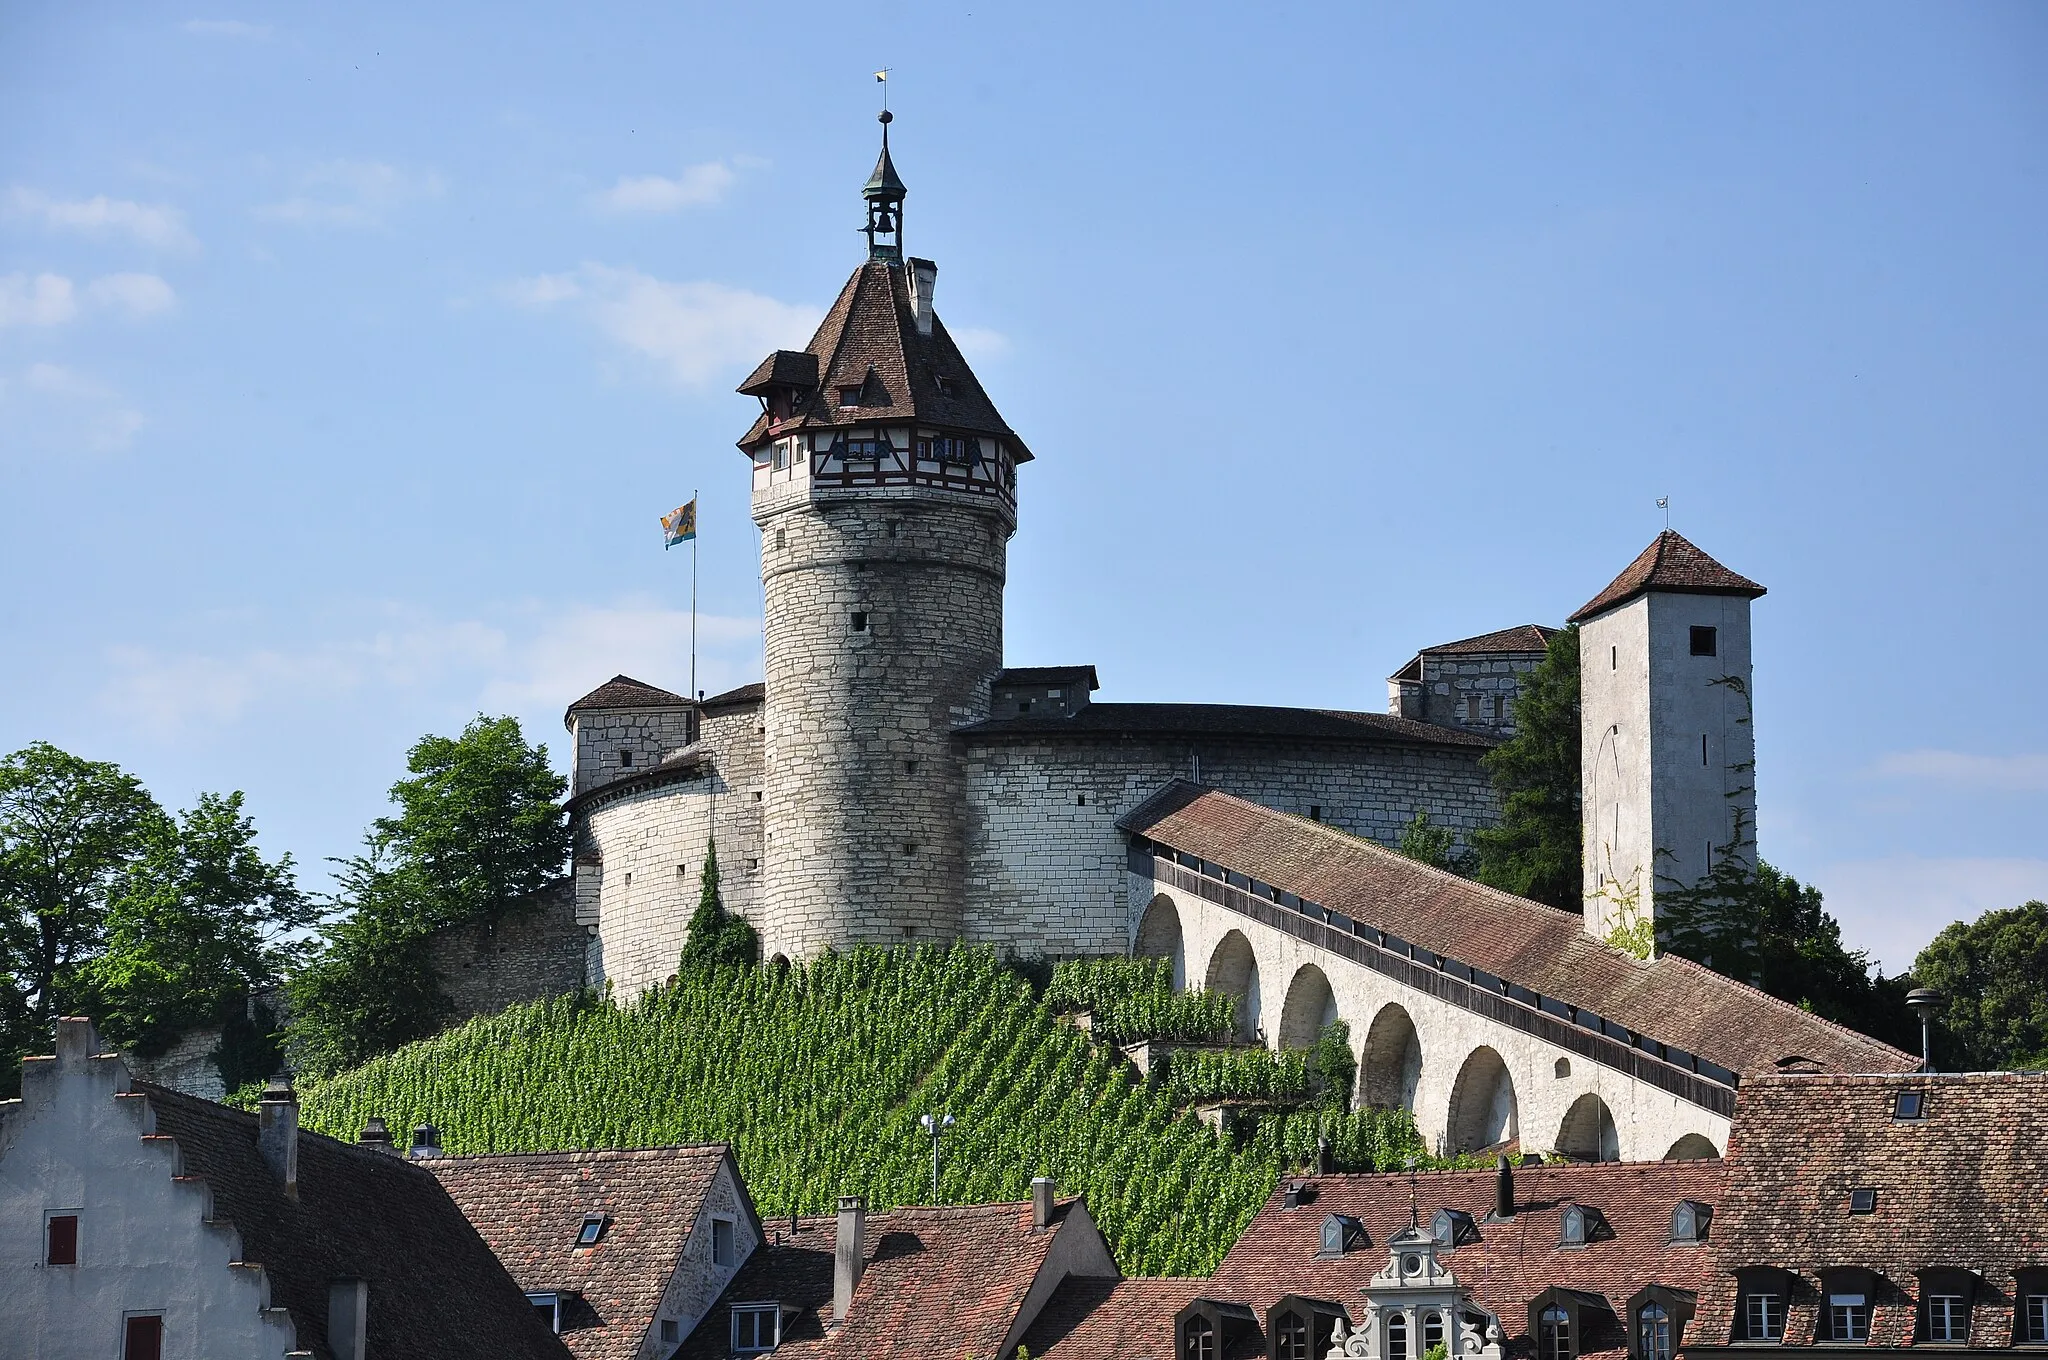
(885, 488)
(1668, 752)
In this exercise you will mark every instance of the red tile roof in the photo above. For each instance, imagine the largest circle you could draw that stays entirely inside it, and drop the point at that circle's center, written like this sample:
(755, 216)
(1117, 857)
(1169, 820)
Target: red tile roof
(1673, 1000)
(1251, 722)
(1523, 637)
(1965, 1187)
(938, 1282)
(623, 691)
(1088, 1319)
(529, 1208)
(1672, 564)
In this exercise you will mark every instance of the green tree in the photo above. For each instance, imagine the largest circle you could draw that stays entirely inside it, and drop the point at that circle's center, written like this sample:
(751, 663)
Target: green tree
(1534, 851)
(480, 825)
(69, 830)
(371, 986)
(717, 937)
(1994, 972)
(1331, 1066)
(1436, 846)
(198, 921)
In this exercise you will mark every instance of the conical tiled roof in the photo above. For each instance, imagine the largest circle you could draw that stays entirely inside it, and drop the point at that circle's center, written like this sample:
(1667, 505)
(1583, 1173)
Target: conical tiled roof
(869, 340)
(623, 691)
(885, 182)
(1671, 564)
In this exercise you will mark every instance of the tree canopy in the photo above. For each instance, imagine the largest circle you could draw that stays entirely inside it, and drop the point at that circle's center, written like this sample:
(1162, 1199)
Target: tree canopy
(1534, 851)
(717, 937)
(1993, 971)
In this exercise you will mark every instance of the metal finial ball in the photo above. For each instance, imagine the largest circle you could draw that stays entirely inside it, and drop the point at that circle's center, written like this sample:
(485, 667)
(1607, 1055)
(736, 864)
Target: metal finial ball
(885, 117)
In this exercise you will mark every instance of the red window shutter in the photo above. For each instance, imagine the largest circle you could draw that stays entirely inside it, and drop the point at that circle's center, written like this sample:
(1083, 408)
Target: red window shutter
(63, 1240)
(145, 1339)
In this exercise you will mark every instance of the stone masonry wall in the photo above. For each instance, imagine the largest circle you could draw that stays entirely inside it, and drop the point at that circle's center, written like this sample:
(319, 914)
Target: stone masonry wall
(1476, 690)
(534, 951)
(602, 740)
(1046, 863)
(883, 626)
(650, 838)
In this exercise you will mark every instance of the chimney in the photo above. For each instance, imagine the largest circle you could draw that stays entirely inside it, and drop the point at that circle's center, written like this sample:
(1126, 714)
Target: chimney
(1326, 1158)
(1041, 1203)
(348, 1317)
(924, 278)
(1503, 1190)
(277, 1132)
(75, 1040)
(376, 1136)
(426, 1142)
(849, 1254)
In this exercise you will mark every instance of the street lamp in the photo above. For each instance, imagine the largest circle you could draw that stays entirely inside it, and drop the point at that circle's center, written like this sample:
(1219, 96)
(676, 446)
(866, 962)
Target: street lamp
(936, 1126)
(1924, 1002)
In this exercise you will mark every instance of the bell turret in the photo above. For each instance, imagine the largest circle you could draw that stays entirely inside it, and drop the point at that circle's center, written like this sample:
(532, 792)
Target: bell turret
(884, 192)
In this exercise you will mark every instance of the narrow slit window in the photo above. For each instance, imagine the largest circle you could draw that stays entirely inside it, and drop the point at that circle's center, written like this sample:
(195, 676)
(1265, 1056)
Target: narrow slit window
(625, 759)
(1703, 749)
(721, 1241)
(860, 621)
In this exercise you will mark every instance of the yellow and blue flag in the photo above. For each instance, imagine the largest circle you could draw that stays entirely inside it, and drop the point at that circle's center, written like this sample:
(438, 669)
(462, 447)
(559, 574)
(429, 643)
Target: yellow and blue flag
(679, 527)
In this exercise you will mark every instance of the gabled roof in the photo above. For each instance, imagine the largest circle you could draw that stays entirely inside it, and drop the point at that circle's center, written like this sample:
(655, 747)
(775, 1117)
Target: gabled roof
(1670, 564)
(938, 1282)
(1965, 1187)
(1227, 721)
(529, 1208)
(1046, 675)
(1671, 999)
(435, 1289)
(784, 368)
(1087, 1319)
(738, 697)
(1522, 639)
(870, 340)
(623, 691)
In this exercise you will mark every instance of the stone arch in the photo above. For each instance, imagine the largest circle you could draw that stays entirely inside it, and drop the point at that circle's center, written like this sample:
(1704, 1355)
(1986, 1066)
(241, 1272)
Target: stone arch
(1234, 968)
(1588, 1133)
(1390, 1063)
(1483, 1106)
(1310, 1005)
(1692, 1148)
(1159, 937)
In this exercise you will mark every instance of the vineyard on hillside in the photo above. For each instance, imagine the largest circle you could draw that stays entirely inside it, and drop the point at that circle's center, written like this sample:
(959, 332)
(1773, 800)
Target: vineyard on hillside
(817, 1076)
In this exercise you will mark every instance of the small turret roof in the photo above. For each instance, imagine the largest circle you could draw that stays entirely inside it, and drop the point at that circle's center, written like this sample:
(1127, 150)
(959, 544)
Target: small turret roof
(885, 182)
(1671, 564)
(623, 691)
(870, 340)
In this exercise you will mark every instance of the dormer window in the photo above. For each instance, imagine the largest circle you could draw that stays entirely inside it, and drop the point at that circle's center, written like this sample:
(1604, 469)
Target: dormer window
(947, 387)
(1582, 1223)
(592, 1231)
(1302, 1328)
(1453, 1228)
(756, 1328)
(1848, 1317)
(1946, 1298)
(1341, 1233)
(1557, 1321)
(1554, 1334)
(1657, 1318)
(1397, 1336)
(550, 1305)
(1689, 1222)
(1208, 1329)
(1760, 1306)
(2030, 1307)
(849, 396)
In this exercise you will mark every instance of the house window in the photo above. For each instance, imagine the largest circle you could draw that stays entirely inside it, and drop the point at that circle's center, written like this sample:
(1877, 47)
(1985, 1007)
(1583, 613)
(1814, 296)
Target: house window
(2033, 1328)
(756, 1328)
(1554, 1334)
(1763, 1316)
(1848, 1317)
(1653, 1333)
(1910, 1105)
(1689, 1221)
(849, 396)
(859, 621)
(1432, 1330)
(1291, 1339)
(1397, 1337)
(143, 1337)
(625, 758)
(592, 1231)
(721, 1241)
(1863, 1200)
(61, 1240)
(1315, 812)
(1705, 642)
(671, 1330)
(782, 448)
(946, 388)
(866, 450)
(1198, 1339)
(548, 1308)
(1948, 1318)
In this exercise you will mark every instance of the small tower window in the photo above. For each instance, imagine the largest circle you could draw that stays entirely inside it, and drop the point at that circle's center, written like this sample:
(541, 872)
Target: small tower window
(860, 621)
(61, 1240)
(782, 538)
(1315, 812)
(143, 1337)
(893, 527)
(625, 757)
(1705, 641)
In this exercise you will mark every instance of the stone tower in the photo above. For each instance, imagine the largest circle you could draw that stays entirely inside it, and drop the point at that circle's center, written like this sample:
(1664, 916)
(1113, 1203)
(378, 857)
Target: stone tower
(885, 490)
(1667, 748)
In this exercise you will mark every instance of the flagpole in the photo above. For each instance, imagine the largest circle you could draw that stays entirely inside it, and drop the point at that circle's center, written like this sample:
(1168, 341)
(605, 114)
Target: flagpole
(693, 597)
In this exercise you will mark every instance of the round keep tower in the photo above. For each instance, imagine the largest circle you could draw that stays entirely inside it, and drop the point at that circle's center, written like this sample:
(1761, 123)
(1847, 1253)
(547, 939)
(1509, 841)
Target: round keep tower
(884, 485)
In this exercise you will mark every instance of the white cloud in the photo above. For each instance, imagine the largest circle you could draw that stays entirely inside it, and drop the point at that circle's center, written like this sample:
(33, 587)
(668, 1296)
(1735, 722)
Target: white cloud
(350, 194)
(2020, 773)
(532, 664)
(138, 295)
(149, 224)
(697, 332)
(44, 300)
(226, 28)
(52, 409)
(1892, 907)
(979, 342)
(696, 185)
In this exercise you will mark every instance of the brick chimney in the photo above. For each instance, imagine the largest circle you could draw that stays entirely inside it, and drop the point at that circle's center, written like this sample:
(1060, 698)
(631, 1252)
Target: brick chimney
(348, 1318)
(924, 281)
(75, 1040)
(277, 1132)
(1041, 1203)
(849, 1254)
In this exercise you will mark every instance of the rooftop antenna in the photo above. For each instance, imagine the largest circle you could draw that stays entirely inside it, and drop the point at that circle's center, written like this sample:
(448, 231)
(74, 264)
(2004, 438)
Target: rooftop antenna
(1414, 1210)
(1664, 504)
(1924, 1002)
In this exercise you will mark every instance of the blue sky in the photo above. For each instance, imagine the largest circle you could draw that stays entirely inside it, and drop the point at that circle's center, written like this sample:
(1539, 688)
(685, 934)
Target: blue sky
(348, 354)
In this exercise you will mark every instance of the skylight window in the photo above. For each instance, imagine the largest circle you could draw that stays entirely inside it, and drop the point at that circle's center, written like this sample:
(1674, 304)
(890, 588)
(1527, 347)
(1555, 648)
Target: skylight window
(592, 1231)
(1910, 1105)
(1863, 1200)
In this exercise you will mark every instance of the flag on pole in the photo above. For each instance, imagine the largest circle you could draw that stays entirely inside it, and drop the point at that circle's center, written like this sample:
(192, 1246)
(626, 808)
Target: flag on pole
(679, 527)
(1663, 502)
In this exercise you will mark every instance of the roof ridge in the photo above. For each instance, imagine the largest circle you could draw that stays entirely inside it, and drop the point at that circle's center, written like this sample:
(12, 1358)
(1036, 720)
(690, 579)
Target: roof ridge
(1680, 960)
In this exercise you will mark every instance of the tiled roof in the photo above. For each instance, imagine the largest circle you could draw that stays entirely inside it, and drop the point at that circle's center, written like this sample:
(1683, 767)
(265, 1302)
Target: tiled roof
(1673, 1000)
(938, 1282)
(1672, 564)
(1089, 1319)
(736, 698)
(530, 1207)
(623, 691)
(1525, 637)
(1967, 1187)
(435, 1289)
(1512, 1262)
(1046, 675)
(870, 340)
(1227, 721)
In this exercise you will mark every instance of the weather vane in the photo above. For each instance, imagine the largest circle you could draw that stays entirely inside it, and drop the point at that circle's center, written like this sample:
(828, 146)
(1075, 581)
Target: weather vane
(1664, 504)
(882, 79)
